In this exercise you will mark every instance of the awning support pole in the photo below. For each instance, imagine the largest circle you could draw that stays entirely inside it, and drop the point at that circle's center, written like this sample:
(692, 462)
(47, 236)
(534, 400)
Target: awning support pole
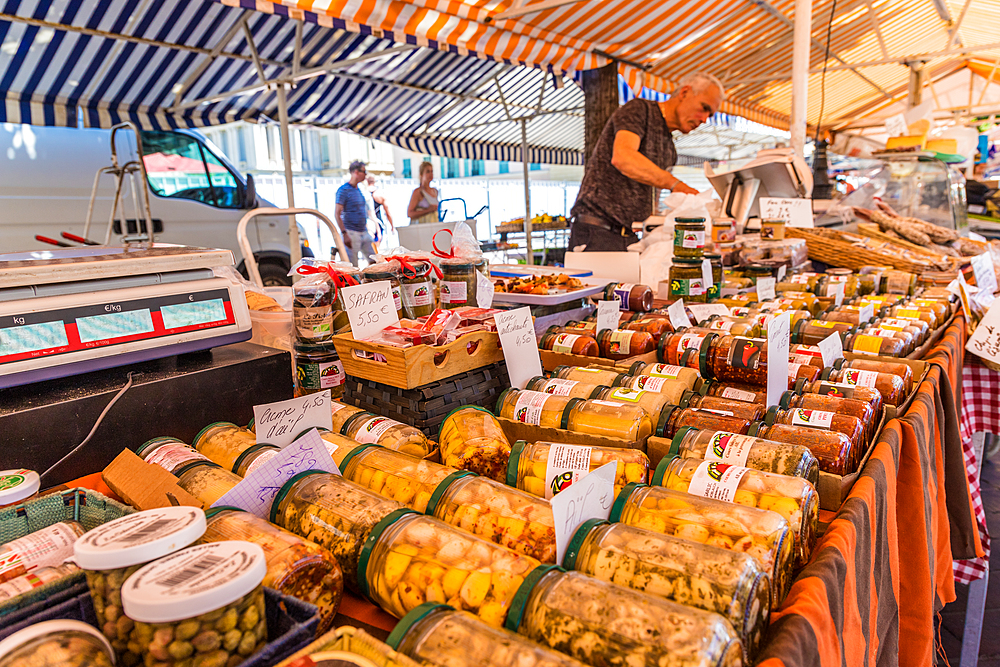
(294, 244)
(527, 194)
(801, 42)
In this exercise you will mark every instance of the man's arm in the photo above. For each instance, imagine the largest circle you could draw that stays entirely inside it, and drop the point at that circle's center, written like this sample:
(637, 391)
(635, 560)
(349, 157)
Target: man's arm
(627, 159)
(338, 214)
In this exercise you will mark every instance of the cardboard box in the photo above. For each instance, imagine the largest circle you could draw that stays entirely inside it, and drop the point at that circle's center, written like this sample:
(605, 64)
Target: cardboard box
(515, 430)
(144, 485)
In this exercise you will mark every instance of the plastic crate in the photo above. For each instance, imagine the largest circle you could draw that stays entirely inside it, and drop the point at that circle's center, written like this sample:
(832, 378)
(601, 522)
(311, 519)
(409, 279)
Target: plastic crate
(352, 640)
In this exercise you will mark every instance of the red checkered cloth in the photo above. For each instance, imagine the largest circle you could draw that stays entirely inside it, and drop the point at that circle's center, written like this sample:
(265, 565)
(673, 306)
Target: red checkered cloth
(980, 411)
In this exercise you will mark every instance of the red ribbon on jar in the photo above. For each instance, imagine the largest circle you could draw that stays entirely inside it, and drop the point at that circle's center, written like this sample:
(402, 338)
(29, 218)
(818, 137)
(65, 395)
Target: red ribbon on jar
(337, 277)
(437, 251)
(404, 263)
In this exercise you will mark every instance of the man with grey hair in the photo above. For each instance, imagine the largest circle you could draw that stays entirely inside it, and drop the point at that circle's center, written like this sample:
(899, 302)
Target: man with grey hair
(351, 216)
(632, 157)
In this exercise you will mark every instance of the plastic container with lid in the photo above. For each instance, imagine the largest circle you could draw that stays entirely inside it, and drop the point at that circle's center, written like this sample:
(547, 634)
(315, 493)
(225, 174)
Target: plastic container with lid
(58, 643)
(793, 498)
(417, 290)
(440, 636)
(224, 442)
(862, 410)
(169, 453)
(608, 625)
(834, 450)
(762, 534)
(689, 237)
(900, 370)
(50, 546)
(723, 406)
(697, 575)
(203, 605)
(295, 566)
(672, 420)
(390, 271)
(570, 343)
(206, 481)
(652, 402)
(623, 344)
(112, 552)
(687, 280)
(891, 387)
(341, 413)
(545, 468)
(673, 347)
(499, 513)
(745, 450)
(636, 298)
(318, 368)
(410, 559)
(472, 439)
(604, 375)
(408, 481)
(366, 428)
(18, 485)
(458, 283)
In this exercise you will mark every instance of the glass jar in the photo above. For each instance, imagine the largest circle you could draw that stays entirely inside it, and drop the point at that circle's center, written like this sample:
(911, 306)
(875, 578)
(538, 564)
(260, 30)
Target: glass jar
(605, 375)
(206, 481)
(827, 285)
(169, 453)
(560, 387)
(723, 230)
(312, 309)
(458, 283)
(332, 512)
(910, 312)
(672, 420)
(636, 298)
(820, 419)
(686, 279)
(715, 289)
(50, 546)
(656, 327)
(864, 394)
(341, 413)
(917, 328)
(417, 290)
(685, 375)
(58, 643)
(568, 343)
(621, 344)
(112, 552)
(254, 457)
(203, 605)
(832, 449)
(611, 420)
(763, 535)
(338, 446)
(472, 439)
(408, 481)
(689, 237)
(499, 513)
(890, 386)
(671, 390)
(672, 347)
(37, 578)
(723, 406)
(607, 625)
(410, 559)
(17, 486)
(803, 281)
(736, 326)
(736, 391)
(295, 566)
(224, 442)
(318, 368)
(367, 428)
(744, 450)
(653, 403)
(735, 359)
(697, 575)
(532, 407)
(772, 230)
(900, 370)
(848, 314)
(899, 282)
(379, 271)
(545, 468)
(941, 309)
(860, 343)
(860, 410)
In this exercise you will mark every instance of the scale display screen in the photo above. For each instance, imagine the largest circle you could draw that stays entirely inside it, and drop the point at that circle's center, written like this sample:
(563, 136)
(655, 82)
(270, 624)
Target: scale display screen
(32, 338)
(115, 325)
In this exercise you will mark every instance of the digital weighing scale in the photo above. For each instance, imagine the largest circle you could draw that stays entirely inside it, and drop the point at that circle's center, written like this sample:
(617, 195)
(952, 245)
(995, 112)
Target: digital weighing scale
(75, 310)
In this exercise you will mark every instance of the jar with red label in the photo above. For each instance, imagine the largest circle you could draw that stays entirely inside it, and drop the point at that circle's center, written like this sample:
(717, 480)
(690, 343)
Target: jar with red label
(568, 343)
(575, 326)
(832, 449)
(605, 375)
(735, 359)
(890, 386)
(805, 354)
(687, 376)
(637, 298)
(735, 391)
(560, 387)
(736, 326)
(799, 371)
(745, 450)
(875, 346)
(671, 348)
(811, 332)
(900, 370)
(655, 327)
(819, 419)
(861, 410)
(864, 394)
(722, 406)
(673, 419)
(621, 344)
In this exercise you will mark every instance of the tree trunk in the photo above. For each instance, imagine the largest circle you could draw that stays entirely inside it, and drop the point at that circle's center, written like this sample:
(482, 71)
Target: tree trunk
(600, 91)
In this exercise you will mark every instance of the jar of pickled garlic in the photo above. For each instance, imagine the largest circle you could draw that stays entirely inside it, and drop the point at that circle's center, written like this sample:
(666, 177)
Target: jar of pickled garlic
(472, 439)
(900, 370)
(254, 457)
(606, 375)
(651, 402)
(499, 513)
(697, 575)
(722, 406)
(206, 481)
(367, 428)
(202, 605)
(295, 566)
(112, 552)
(607, 625)
(410, 559)
(737, 326)
(17, 486)
(672, 420)
(223, 442)
(560, 387)
(408, 481)
(532, 407)
(169, 453)
(332, 512)
(834, 450)
(688, 376)
(655, 327)
(57, 643)
(637, 298)
(811, 332)
(861, 343)
(569, 343)
(745, 450)
(622, 344)
(50, 546)
(762, 534)
(545, 468)
(890, 386)
(341, 413)
(606, 418)
(861, 410)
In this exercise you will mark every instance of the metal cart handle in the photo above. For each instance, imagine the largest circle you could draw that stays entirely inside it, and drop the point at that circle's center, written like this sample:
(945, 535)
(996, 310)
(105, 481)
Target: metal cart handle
(241, 235)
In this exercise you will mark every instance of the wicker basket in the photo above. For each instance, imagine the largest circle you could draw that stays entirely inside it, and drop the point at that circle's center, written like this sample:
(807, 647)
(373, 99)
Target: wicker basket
(354, 641)
(944, 262)
(831, 247)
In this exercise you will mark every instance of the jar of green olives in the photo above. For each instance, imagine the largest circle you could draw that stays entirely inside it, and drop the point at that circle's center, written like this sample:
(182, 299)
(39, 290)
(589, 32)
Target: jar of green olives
(57, 643)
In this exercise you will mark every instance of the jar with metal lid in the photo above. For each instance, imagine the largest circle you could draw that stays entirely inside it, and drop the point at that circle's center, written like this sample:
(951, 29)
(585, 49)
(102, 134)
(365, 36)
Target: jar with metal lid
(472, 439)
(560, 387)
(715, 289)
(860, 410)
(532, 407)
(672, 420)
(652, 402)
(689, 237)
(763, 535)
(318, 368)
(417, 290)
(900, 370)
(341, 413)
(672, 347)
(169, 453)
(942, 310)
(390, 271)
(605, 375)
(687, 281)
(545, 468)
(744, 450)
(866, 395)
(253, 458)
(410, 559)
(621, 344)
(850, 426)
(772, 229)
(112, 552)
(874, 345)
(18, 485)
(637, 298)
(736, 326)
(655, 327)
(697, 575)
(57, 643)
(206, 481)
(50, 546)
(687, 376)
(833, 449)
(366, 428)
(332, 512)
(793, 498)
(499, 513)
(811, 332)
(295, 566)
(568, 343)
(722, 406)
(224, 442)
(606, 418)
(609, 625)
(890, 386)
(408, 481)
(458, 283)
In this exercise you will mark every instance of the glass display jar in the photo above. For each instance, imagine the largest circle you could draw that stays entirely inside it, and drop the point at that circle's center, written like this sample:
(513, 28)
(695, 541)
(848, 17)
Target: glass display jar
(417, 290)
(941, 309)
(686, 279)
(915, 328)
(318, 368)
(332, 512)
(865, 394)
(458, 283)
(532, 407)
(206, 481)
(820, 419)
(672, 420)
(900, 370)
(622, 344)
(653, 403)
(254, 457)
(570, 343)
(811, 332)
(169, 453)
(735, 359)
(50, 546)
(295, 566)
(736, 326)
(408, 481)
(312, 309)
(890, 386)
(688, 376)
(341, 413)
(735, 391)
(17, 486)
(545, 468)
(224, 442)
(673, 347)
(827, 285)
(689, 237)
(861, 410)
(723, 406)
(671, 390)
(861, 343)
(338, 446)
(911, 312)
(560, 387)
(472, 439)
(57, 643)
(609, 625)
(655, 327)
(744, 450)
(368, 428)
(593, 375)
(635, 298)
(606, 418)
(410, 559)
(833, 449)
(390, 271)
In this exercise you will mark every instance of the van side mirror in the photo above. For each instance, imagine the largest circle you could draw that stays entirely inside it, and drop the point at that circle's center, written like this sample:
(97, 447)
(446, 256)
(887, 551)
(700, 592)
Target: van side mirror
(250, 194)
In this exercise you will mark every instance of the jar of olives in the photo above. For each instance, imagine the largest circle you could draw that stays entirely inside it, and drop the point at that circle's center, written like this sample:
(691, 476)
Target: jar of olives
(58, 643)
(389, 433)
(224, 442)
(458, 283)
(472, 439)
(206, 481)
(408, 481)
(545, 468)
(745, 450)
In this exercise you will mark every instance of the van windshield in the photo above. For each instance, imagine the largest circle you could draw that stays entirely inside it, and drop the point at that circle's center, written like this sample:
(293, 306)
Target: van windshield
(178, 166)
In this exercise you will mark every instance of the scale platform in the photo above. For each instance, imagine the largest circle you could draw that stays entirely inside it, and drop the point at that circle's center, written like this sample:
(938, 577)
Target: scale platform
(74, 310)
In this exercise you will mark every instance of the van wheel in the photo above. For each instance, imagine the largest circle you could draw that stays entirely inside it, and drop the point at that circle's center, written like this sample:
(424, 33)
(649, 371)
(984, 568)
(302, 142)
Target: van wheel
(273, 274)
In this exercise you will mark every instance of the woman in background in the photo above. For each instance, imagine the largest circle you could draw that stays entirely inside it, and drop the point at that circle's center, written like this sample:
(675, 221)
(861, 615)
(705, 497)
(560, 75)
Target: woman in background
(423, 206)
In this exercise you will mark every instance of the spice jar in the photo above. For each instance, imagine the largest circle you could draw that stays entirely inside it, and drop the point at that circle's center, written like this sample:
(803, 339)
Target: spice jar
(472, 439)
(312, 309)
(900, 370)
(112, 552)
(224, 442)
(941, 309)
(687, 376)
(567, 343)
(637, 298)
(832, 449)
(689, 237)
(417, 290)
(390, 271)
(608, 625)
(499, 513)
(532, 407)
(600, 375)
(672, 420)
(204, 603)
(860, 410)
(169, 453)
(408, 481)
(611, 420)
(917, 328)
(57, 643)
(722, 406)
(763, 535)
(866, 395)
(621, 344)
(560, 387)
(206, 481)
(545, 468)
(655, 327)
(735, 359)
(254, 457)
(318, 367)
(736, 326)
(332, 512)
(17, 486)
(368, 428)
(686, 279)
(50, 546)
(341, 413)
(697, 575)
(890, 386)
(410, 559)
(672, 347)
(874, 345)
(772, 230)
(653, 403)
(295, 566)
(744, 450)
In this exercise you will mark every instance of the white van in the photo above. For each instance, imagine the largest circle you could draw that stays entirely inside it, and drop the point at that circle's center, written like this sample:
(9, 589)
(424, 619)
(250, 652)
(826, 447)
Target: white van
(196, 197)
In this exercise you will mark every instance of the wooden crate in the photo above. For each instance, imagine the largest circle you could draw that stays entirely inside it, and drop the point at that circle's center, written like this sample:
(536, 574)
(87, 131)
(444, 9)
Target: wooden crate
(412, 367)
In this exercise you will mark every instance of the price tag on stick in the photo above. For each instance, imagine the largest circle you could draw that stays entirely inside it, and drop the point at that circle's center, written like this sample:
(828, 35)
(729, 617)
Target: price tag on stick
(832, 348)
(370, 308)
(836, 290)
(484, 290)
(280, 423)
(588, 498)
(765, 289)
(520, 349)
(985, 340)
(608, 315)
(778, 334)
(703, 311)
(678, 316)
(866, 313)
(986, 278)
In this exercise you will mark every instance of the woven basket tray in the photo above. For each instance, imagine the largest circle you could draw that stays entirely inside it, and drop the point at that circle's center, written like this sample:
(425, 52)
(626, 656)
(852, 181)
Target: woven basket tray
(352, 640)
(944, 262)
(831, 248)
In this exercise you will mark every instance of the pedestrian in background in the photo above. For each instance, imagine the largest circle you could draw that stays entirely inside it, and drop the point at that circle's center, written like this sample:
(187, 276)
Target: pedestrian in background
(351, 215)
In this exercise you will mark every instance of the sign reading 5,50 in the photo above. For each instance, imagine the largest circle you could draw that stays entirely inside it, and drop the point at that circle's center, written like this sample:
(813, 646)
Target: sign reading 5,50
(370, 308)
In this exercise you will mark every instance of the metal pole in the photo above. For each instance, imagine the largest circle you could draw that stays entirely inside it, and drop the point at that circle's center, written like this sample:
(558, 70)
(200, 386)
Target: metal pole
(801, 41)
(527, 193)
(294, 245)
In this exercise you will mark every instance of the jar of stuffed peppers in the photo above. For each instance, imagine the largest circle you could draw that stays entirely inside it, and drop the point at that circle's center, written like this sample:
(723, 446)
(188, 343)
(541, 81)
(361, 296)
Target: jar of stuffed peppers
(366, 427)
(567, 343)
(744, 450)
(656, 327)
(860, 410)
(751, 412)
(689, 237)
(545, 468)
(636, 298)
(206, 481)
(597, 375)
(653, 403)
(458, 283)
(606, 418)
(472, 439)
(687, 280)
(560, 387)
(223, 442)
(388, 271)
(890, 386)
(861, 343)
(674, 419)
(416, 289)
(833, 449)
(407, 480)
(622, 344)
(57, 643)
(900, 370)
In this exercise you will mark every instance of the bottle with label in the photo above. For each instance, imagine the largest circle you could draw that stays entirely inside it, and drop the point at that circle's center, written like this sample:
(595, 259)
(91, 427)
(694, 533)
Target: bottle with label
(368, 428)
(318, 368)
(472, 439)
(17, 486)
(570, 343)
(407, 480)
(458, 283)
(636, 298)
(560, 387)
(890, 386)
(687, 376)
(532, 407)
(545, 468)
(390, 271)
(793, 498)
(657, 327)
(689, 237)
(606, 418)
(860, 410)
(206, 481)
(48, 547)
(832, 449)
(745, 450)
(35, 579)
(57, 643)
(652, 402)
(224, 442)
(622, 344)
(900, 370)
(605, 375)
(674, 419)
(722, 406)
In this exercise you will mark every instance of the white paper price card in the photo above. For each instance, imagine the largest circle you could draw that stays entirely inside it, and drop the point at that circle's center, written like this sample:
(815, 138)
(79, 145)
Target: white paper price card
(370, 308)
(588, 498)
(608, 315)
(985, 340)
(831, 348)
(795, 212)
(258, 489)
(986, 279)
(520, 350)
(867, 312)
(280, 423)
(703, 311)
(977, 237)
(678, 316)
(778, 334)
(706, 273)
(836, 290)
(782, 270)
(765, 288)
(484, 290)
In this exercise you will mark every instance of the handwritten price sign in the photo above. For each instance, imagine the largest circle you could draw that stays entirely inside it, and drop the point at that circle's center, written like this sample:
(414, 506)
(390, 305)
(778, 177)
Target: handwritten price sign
(985, 340)
(370, 308)
(795, 212)
(280, 423)
(588, 498)
(520, 349)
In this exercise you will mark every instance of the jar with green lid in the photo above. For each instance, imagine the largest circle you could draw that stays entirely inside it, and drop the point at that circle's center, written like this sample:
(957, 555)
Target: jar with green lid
(169, 453)
(390, 271)
(907, 338)
(608, 625)
(224, 442)
(472, 439)
(763, 535)
(333, 512)
(368, 428)
(417, 290)
(604, 375)
(607, 418)
(318, 368)
(560, 387)
(499, 513)
(630, 297)
(874, 345)
(409, 559)
(623, 344)
(341, 413)
(697, 575)
(715, 289)
(745, 450)
(408, 481)
(295, 566)
(670, 389)
(862, 410)
(689, 237)
(675, 418)
(57, 643)
(544, 469)
(532, 407)
(687, 281)
(338, 446)
(653, 403)
(755, 271)
(206, 481)
(899, 369)
(657, 327)
(254, 457)
(458, 283)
